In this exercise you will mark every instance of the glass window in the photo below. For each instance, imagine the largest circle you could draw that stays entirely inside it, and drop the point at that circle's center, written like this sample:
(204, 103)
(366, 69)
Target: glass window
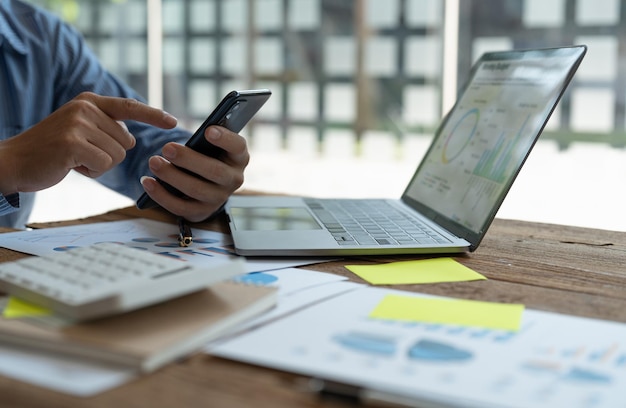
(347, 74)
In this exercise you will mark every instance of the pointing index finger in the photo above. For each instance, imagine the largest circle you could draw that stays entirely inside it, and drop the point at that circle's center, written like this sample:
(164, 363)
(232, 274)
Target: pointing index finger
(132, 109)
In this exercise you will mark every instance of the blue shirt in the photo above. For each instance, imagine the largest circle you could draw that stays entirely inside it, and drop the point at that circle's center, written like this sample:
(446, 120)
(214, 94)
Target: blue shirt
(44, 63)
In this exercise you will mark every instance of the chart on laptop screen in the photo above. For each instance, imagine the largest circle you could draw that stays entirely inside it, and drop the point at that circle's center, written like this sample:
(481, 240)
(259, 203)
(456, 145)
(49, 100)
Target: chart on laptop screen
(487, 136)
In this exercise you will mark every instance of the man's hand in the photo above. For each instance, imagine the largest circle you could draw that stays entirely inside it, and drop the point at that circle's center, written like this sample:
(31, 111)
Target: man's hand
(218, 178)
(84, 135)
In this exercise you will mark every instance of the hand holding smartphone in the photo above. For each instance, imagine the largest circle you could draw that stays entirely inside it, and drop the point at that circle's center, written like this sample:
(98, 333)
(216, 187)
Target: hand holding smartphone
(233, 112)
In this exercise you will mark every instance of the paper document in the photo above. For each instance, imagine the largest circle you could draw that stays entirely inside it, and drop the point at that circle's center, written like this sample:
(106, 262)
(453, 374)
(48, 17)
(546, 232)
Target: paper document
(297, 289)
(552, 361)
(461, 312)
(61, 373)
(433, 270)
(155, 236)
(16, 308)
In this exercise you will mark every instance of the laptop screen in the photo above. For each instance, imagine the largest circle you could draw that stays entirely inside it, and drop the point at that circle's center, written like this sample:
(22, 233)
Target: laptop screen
(484, 140)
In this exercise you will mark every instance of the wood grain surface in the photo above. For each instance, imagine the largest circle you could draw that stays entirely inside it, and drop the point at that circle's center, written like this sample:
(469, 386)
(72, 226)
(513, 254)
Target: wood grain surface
(548, 267)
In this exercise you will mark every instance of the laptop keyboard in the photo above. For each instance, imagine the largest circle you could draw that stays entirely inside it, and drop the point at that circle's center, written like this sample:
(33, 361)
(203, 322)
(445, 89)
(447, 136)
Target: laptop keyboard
(371, 222)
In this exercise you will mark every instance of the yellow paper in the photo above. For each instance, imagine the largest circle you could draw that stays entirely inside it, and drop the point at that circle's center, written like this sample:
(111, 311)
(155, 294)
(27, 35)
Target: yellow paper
(421, 271)
(488, 315)
(16, 308)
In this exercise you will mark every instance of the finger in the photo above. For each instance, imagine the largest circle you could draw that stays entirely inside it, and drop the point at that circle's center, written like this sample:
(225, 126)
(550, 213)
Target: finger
(104, 129)
(192, 210)
(117, 130)
(201, 188)
(122, 125)
(130, 109)
(97, 155)
(129, 137)
(234, 144)
(222, 172)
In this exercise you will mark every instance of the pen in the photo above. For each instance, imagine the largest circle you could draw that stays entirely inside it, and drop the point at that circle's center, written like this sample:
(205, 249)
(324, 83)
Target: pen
(372, 397)
(185, 237)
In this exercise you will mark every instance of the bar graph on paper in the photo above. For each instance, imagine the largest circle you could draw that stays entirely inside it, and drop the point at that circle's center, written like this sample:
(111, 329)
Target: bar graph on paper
(552, 361)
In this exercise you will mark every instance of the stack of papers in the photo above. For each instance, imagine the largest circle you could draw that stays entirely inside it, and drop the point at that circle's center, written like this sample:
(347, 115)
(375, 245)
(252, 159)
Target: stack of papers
(542, 360)
(393, 344)
(86, 376)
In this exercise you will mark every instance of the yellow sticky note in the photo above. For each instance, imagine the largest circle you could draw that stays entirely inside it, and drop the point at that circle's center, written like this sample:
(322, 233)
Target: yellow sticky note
(501, 316)
(16, 308)
(433, 270)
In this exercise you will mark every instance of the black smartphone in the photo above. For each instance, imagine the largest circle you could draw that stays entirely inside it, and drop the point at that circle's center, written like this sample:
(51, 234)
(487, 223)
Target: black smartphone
(233, 112)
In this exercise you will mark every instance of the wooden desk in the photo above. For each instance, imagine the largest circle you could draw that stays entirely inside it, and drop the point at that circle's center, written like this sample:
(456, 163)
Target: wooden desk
(547, 267)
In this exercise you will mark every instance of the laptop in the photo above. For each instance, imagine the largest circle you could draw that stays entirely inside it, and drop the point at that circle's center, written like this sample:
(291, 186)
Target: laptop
(458, 187)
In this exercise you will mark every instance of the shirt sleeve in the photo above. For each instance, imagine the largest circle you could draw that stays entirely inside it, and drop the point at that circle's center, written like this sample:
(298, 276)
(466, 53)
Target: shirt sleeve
(9, 203)
(77, 70)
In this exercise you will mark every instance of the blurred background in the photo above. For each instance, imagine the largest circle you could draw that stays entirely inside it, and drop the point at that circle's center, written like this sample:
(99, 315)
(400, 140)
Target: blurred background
(359, 88)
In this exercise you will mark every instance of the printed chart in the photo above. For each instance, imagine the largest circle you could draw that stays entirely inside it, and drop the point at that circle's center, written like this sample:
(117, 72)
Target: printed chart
(154, 236)
(552, 361)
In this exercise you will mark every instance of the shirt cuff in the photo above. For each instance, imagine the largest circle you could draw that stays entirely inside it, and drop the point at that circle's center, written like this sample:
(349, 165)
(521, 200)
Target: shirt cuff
(9, 203)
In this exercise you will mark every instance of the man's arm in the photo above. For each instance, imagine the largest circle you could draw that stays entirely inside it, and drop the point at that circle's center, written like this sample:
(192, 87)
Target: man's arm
(219, 178)
(83, 135)
(79, 70)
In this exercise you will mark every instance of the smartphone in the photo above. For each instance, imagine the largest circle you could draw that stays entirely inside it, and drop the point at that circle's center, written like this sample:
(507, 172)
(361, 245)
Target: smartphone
(233, 112)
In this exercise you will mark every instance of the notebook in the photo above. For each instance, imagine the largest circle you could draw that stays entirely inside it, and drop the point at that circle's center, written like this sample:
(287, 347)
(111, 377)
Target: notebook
(148, 338)
(458, 186)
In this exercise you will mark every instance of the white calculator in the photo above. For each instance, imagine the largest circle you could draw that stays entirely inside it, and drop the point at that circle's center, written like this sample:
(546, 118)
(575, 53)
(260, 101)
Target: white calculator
(105, 279)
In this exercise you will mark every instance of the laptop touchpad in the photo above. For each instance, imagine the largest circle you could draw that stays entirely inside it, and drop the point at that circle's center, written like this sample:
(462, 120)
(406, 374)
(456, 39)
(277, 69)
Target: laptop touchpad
(272, 219)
